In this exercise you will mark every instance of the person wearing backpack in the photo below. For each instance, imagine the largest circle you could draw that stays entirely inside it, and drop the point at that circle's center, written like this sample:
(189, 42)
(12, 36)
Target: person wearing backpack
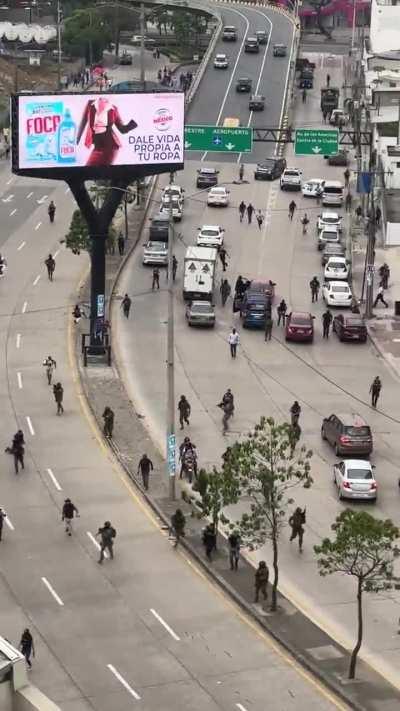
(107, 534)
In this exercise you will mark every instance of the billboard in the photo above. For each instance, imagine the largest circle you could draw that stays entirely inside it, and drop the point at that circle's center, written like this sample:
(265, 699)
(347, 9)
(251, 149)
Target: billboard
(97, 133)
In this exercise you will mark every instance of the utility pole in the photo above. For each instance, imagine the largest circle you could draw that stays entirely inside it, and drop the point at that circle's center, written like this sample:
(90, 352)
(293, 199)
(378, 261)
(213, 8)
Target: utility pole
(59, 53)
(142, 30)
(398, 125)
(171, 437)
(370, 253)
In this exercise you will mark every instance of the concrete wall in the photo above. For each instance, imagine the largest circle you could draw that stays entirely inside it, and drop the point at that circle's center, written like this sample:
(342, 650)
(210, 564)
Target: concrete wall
(6, 696)
(29, 698)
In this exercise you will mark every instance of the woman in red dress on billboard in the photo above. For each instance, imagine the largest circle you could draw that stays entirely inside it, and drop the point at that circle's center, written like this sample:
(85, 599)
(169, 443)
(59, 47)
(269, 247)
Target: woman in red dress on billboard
(99, 118)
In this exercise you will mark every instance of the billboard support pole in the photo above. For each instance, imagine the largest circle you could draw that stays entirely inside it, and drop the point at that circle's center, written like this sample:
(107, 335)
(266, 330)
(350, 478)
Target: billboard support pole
(59, 53)
(171, 438)
(142, 31)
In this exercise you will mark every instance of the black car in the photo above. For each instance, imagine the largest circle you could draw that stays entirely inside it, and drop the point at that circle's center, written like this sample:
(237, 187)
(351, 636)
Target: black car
(262, 36)
(256, 102)
(350, 327)
(269, 169)
(244, 85)
(159, 228)
(125, 58)
(229, 34)
(207, 177)
(251, 45)
(340, 158)
(280, 50)
(332, 249)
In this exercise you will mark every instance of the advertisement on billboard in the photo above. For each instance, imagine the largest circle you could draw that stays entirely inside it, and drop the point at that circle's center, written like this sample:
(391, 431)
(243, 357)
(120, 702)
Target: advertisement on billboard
(98, 131)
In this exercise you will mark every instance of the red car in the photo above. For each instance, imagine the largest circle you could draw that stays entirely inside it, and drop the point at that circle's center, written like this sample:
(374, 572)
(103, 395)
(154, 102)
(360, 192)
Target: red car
(350, 328)
(299, 326)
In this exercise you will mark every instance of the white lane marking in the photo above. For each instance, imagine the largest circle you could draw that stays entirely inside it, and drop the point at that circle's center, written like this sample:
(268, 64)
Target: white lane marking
(10, 180)
(56, 253)
(29, 421)
(24, 305)
(13, 212)
(123, 682)
(18, 340)
(53, 592)
(164, 624)
(9, 523)
(96, 543)
(36, 280)
(19, 378)
(241, 707)
(21, 246)
(203, 157)
(8, 198)
(42, 200)
(54, 480)
(38, 225)
(29, 195)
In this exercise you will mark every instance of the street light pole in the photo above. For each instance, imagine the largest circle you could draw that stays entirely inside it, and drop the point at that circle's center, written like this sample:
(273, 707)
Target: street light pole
(59, 53)
(142, 30)
(353, 27)
(171, 437)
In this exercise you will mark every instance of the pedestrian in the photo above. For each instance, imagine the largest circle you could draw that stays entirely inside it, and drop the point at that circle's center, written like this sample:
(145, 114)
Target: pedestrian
(50, 365)
(292, 207)
(227, 407)
(380, 297)
(234, 550)
(233, 341)
(27, 646)
(156, 278)
(68, 513)
(315, 287)
(52, 211)
(326, 323)
(121, 244)
(348, 201)
(241, 172)
(3, 515)
(384, 273)
(225, 290)
(126, 305)
(209, 540)
(268, 325)
(261, 577)
(18, 451)
(178, 522)
(184, 410)
(51, 265)
(250, 211)
(378, 216)
(58, 392)
(108, 418)
(346, 176)
(174, 267)
(328, 80)
(107, 534)
(358, 213)
(305, 221)
(295, 412)
(324, 115)
(375, 391)
(77, 314)
(296, 522)
(144, 467)
(223, 255)
(304, 95)
(242, 210)
(260, 219)
(281, 311)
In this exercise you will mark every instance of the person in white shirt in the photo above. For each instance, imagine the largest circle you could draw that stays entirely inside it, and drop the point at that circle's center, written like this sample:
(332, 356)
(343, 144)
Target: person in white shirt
(233, 341)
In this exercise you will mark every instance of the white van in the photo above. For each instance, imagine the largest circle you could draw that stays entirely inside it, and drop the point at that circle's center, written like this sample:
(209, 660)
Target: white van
(333, 193)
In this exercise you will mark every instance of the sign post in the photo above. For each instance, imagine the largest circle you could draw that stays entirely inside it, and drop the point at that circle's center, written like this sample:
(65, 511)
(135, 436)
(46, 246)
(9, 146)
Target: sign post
(218, 139)
(316, 141)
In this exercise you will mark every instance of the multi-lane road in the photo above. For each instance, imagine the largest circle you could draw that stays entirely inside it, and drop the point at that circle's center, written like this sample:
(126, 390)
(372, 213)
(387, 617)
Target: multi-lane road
(146, 630)
(326, 377)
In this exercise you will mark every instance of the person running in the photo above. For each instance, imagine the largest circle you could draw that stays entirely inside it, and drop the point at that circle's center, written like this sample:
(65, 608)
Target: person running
(223, 255)
(144, 467)
(225, 290)
(184, 411)
(242, 210)
(305, 222)
(50, 365)
(107, 535)
(250, 212)
(296, 522)
(281, 311)
(233, 340)
(375, 391)
(126, 304)
(68, 513)
(241, 172)
(27, 646)
(260, 219)
(58, 392)
(234, 550)
(178, 523)
(156, 279)
(292, 207)
(261, 577)
(18, 452)
(327, 319)
(108, 419)
(227, 407)
(380, 298)
(51, 211)
(315, 287)
(50, 265)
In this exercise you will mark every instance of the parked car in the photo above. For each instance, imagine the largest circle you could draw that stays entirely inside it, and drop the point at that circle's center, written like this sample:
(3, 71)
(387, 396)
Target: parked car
(210, 236)
(251, 45)
(327, 219)
(155, 253)
(269, 169)
(354, 479)
(340, 158)
(337, 268)
(243, 85)
(347, 433)
(337, 293)
(262, 36)
(291, 179)
(350, 327)
(299, 326)
(327, 234)
(218, 197)
(332, 249)
(313, 188)
(256, 102)
(221, 61)
(200, 313)
(229, 33)
(280, 50)
(207, 177)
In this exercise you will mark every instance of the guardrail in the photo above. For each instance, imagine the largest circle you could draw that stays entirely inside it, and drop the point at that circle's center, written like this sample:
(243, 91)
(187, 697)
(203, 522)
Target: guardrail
(203, 64)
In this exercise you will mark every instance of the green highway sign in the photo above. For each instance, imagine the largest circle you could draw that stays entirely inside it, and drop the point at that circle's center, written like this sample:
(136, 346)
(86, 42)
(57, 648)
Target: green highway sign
(316, 141)
(218, 139)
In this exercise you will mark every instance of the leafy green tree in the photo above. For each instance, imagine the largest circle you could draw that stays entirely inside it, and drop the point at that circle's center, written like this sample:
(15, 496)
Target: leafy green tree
(364, 548)
(77, 238)
(268, 467)
(86, 33)
(217, 489)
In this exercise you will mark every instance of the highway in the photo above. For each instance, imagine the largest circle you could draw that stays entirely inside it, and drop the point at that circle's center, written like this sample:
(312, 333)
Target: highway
(326, 377)
(148, 629)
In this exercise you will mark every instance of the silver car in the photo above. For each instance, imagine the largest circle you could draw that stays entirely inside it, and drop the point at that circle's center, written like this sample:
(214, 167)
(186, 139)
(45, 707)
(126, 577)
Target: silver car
(354, 479)
(155, 253)
(200, 313)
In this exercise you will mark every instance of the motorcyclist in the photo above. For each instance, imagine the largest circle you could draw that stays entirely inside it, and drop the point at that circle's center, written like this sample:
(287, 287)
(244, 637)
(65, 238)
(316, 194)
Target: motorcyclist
(50, 365)
(187, 456)
(295, 411)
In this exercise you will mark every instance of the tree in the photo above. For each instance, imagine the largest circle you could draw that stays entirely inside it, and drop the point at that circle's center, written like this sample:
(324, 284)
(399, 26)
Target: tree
(77, 237)
(364, 548)
(267, 468)
(217, 489)
(86, 34)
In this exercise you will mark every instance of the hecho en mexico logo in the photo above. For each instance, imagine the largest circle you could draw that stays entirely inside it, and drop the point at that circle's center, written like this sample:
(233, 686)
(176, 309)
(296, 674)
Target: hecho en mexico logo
(162, 119)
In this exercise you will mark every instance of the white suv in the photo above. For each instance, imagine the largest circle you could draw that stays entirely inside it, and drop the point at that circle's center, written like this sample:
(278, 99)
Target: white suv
(291, 179)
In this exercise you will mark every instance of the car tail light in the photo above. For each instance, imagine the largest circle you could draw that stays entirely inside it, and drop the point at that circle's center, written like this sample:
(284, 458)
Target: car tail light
(346, 485)
(374, 485)
(344, 439)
